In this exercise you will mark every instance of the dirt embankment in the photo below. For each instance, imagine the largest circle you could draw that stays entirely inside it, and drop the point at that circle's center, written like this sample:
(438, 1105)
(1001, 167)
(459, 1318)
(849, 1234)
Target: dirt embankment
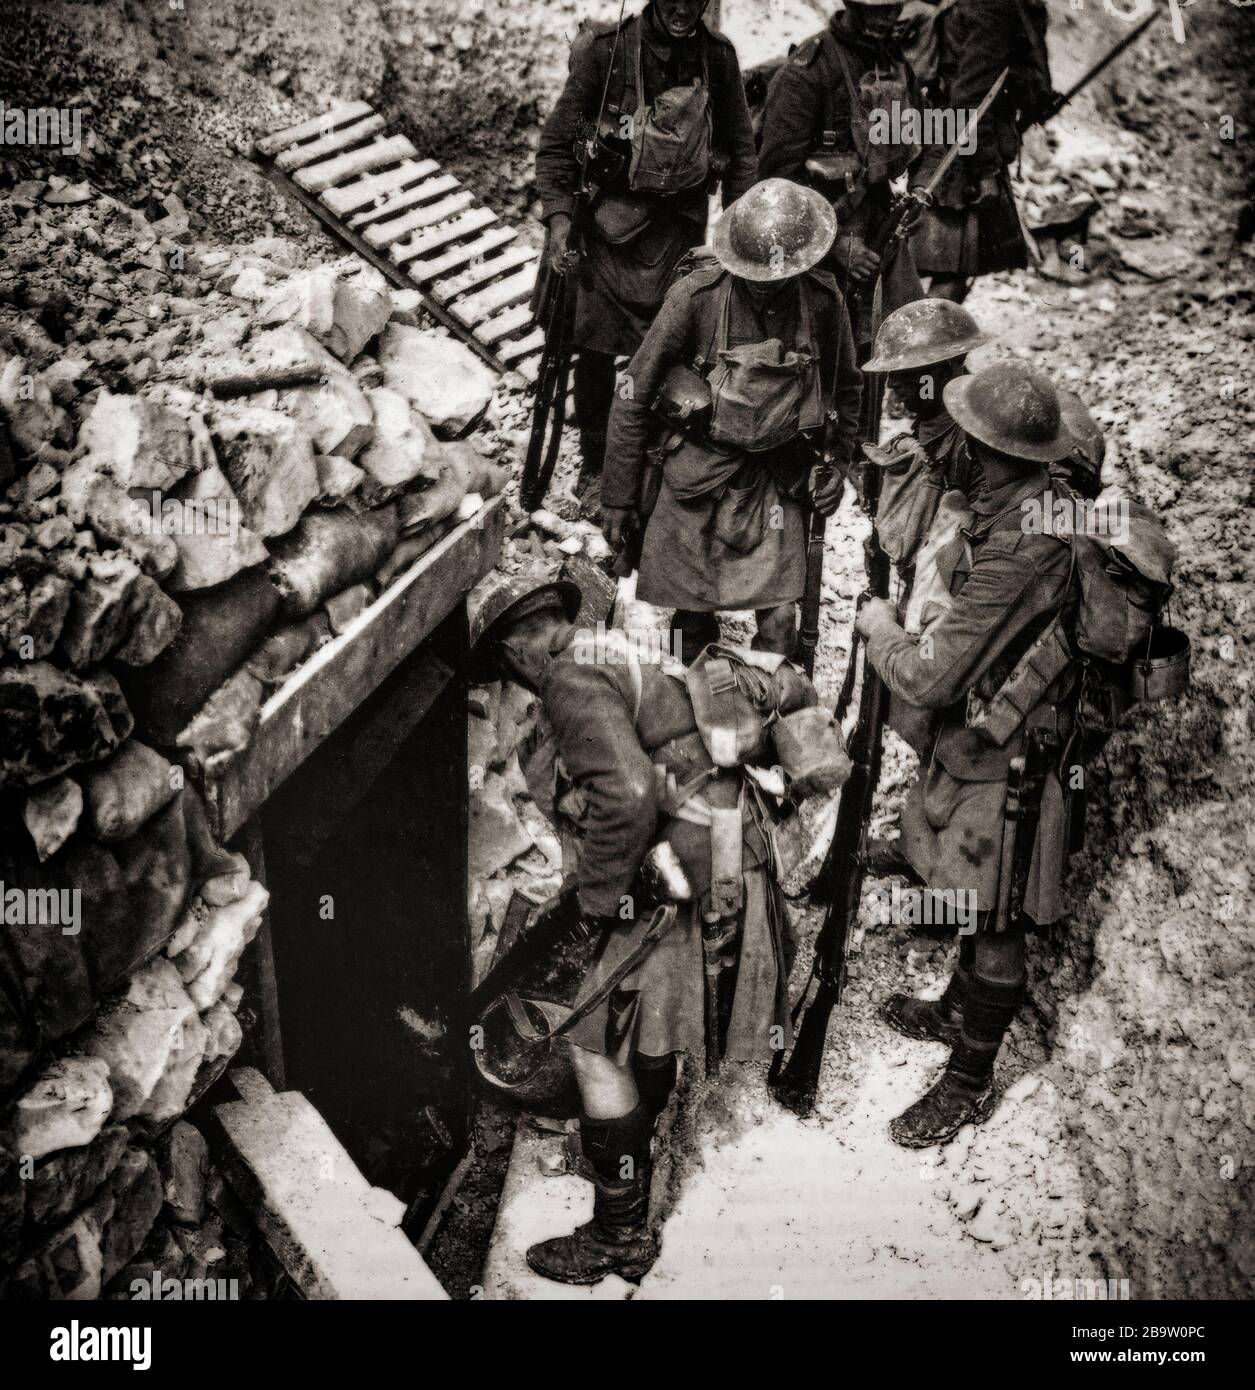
(173, 94)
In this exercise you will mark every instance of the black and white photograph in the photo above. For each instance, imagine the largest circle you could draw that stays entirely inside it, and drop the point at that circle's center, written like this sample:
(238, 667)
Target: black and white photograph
(626, 638)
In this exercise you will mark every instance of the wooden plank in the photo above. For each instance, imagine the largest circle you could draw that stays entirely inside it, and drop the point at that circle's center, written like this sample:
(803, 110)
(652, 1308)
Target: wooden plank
(323, 692)
(341, 113)
(336, 1235)
(503, 325)
(301, 155)
(424, 193)
(391, 272)
(319, 177)
(523, 347)
(481, 272)
(463, 254)
(372, 187)
(528, 369)
(427, 216)
(503, 294)
(258, 967)
(461, 226)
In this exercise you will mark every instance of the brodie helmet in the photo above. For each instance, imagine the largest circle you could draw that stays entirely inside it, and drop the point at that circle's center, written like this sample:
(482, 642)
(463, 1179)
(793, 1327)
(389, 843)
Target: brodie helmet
(1012, 408)
(775, 230)
(924, 333)
(499, 601)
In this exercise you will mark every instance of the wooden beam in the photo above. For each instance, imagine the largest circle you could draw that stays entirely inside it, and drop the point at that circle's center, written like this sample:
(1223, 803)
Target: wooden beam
(320, 694)
(336, 1235)
(342, 113)
(258, 968)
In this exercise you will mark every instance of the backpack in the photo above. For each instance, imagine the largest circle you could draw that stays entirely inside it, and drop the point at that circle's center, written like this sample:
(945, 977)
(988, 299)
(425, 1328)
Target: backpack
(1124, 652)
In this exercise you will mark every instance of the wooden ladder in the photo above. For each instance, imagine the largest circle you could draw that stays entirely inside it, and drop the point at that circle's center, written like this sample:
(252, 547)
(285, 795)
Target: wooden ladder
(422, 228)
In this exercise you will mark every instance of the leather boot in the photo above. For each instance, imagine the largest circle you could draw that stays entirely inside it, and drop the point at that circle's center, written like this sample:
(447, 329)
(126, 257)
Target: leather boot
(884, 859)
(922, 1019)
(931, 1020)
(965, 1093)
(616, 1241)
(938, 1116)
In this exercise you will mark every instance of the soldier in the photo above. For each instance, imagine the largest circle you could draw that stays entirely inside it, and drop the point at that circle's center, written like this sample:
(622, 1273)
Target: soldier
(1016, 582)
(920, 33)
(632, 769)
(974, 226)
(820, 127)
(922, 347)
(769, 335)
(664, 98)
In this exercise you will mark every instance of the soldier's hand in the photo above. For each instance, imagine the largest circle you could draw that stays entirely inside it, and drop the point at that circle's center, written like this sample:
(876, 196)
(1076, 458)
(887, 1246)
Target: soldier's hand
(857, 257)
(559, 226)
(826, 486)
(874, 613)
(617, 524)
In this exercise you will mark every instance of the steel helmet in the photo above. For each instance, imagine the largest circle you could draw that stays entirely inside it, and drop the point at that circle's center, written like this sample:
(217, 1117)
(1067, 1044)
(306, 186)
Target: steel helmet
(1012, 408)
(501, 600)
(775, 230)
(1086, 431)
(924, 333)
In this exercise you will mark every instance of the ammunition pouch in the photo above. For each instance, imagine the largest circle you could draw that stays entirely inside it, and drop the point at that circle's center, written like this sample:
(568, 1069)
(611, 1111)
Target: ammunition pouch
(998, 718)
(837, 175)
(605, 160)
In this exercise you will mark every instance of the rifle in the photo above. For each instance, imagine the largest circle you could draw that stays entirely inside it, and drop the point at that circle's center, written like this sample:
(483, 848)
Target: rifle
(840, 881)
(1062, 100)
(904, 213)
(812, 595)
(557, 315)
(555, 312)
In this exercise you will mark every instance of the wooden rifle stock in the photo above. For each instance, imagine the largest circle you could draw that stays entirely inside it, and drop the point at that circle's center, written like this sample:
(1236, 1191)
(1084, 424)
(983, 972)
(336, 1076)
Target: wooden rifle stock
(549, 406)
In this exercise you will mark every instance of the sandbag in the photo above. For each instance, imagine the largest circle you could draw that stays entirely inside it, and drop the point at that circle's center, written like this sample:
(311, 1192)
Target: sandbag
(225, 723)
(126, 790)
(127, 918)
(329, 551)
(286, 648)
(221, 626)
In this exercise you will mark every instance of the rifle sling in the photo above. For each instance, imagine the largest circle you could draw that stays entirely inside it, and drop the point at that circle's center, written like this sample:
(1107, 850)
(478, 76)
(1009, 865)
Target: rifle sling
(662, 921)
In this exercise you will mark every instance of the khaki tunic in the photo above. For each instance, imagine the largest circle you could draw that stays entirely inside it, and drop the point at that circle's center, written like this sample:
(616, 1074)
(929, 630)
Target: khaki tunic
(952, 818)
(981, 37)
(621, 286)
(728, 529)
(614, 805)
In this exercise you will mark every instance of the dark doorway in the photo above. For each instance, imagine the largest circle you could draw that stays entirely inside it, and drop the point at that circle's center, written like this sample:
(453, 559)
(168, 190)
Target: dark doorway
(366, 865)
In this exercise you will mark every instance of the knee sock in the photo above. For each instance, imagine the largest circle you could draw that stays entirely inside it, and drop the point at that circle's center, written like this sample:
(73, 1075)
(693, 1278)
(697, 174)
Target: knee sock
(655, 1079)
(618, 1149)
(988, 1012)
(950, 1005)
